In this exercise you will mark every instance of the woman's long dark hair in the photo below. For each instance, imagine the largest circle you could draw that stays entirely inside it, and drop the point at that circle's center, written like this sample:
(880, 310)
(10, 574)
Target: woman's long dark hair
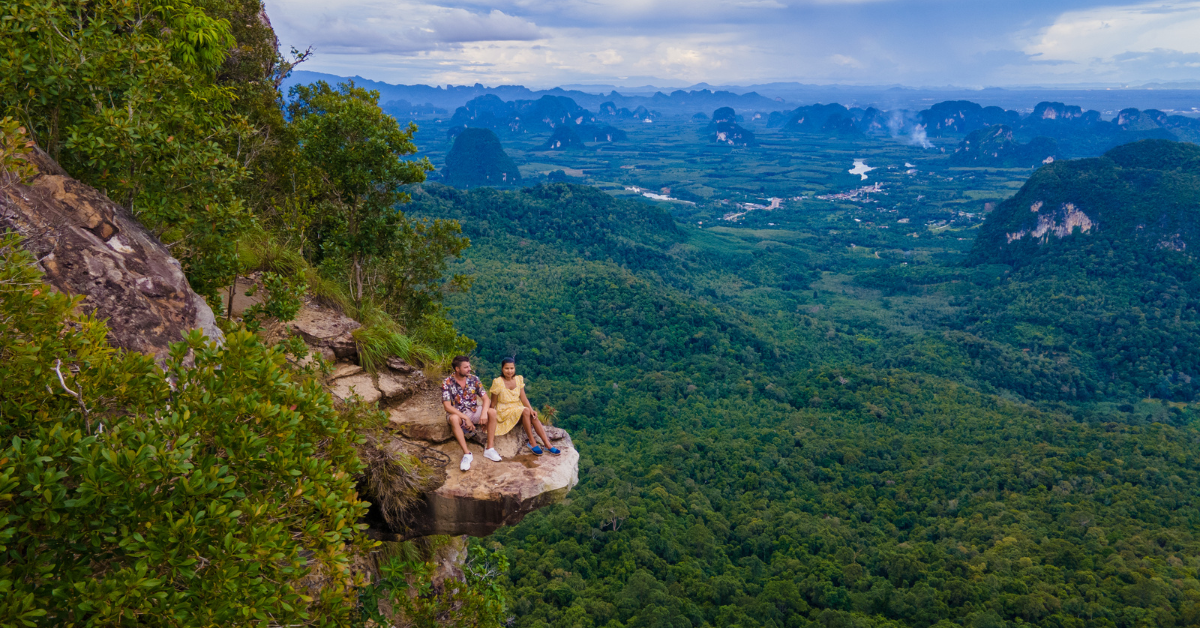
(507, 361)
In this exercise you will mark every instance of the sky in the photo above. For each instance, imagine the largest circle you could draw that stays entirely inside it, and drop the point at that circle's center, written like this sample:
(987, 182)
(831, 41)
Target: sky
(919, 43)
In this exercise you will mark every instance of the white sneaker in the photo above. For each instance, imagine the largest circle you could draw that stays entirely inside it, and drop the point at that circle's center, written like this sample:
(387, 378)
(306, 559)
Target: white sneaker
(466, 462)
(491, 454)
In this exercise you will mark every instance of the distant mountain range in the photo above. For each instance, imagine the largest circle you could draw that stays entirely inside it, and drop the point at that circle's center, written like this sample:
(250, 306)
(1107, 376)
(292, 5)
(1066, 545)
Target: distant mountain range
(1052, 130)
(1169, 97)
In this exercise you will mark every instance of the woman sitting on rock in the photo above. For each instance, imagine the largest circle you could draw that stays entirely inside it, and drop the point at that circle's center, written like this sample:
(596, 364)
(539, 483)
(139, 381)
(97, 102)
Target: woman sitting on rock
(510, 402)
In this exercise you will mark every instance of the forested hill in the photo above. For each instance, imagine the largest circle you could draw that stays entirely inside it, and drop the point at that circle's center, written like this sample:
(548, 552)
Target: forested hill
(1143, 195)
(579, 219)
(1105, 277)
(758, 454)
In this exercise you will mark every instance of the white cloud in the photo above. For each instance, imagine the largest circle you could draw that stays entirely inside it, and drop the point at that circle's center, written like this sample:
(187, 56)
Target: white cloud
(545, 42)
(459, 25)
(1112, 41)
(846, 60)
(380, 27)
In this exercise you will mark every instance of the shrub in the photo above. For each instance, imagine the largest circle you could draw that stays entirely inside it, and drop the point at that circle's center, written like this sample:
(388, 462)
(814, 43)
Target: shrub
(219, 490)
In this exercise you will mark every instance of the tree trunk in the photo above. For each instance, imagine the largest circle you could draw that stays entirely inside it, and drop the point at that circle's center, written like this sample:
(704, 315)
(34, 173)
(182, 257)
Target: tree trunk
(357, 281)
(232, 289)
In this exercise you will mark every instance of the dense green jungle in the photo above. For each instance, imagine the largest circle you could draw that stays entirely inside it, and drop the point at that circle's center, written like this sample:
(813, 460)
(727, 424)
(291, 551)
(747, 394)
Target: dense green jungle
(820, 372)
(859, 410)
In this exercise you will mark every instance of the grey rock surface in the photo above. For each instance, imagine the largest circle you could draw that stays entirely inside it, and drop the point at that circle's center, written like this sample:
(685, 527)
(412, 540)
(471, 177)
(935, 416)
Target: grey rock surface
(89, 246)
(326, 330)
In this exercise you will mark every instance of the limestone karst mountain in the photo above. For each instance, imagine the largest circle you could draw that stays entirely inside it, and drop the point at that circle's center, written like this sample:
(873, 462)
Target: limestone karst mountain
(995, 146)
(724, 129)
(563, 138)
(1145, 194)
(477, 158)
(963, 116)
(1103, 280)
(812, 118)
(601, 133)
(521, 116)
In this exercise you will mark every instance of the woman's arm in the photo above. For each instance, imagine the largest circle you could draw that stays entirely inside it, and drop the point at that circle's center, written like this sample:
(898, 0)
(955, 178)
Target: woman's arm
(525, 400)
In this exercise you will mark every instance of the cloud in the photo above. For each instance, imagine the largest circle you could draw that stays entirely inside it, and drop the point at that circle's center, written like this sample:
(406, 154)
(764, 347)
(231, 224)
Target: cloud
(1103, 41)
(366, 27)
(648, 14)
(932, 42)
(459, 25)
(847, 61)
(1160, 58)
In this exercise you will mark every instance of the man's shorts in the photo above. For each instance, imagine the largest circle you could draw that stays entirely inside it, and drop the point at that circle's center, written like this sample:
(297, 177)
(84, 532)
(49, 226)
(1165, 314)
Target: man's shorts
(475, 416)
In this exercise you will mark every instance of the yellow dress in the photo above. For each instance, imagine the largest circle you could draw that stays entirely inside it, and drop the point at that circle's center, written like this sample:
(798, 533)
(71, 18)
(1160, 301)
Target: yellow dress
(508, 403)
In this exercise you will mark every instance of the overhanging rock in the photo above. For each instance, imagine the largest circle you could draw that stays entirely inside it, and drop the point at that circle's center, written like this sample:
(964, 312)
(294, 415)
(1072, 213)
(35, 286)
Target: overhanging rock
(476, 502)
(491, 494)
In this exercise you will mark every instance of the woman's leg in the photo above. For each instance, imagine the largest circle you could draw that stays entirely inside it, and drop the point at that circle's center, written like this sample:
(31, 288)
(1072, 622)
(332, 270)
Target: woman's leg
(541, 432)
(525, 416)
(492, 420)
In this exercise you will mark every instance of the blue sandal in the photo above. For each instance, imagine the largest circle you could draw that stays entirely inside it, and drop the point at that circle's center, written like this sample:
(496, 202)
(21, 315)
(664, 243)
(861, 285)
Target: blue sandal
(537, 451)
(554, 451)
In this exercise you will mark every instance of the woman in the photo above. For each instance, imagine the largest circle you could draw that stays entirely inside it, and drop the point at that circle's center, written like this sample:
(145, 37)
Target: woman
(511, 404)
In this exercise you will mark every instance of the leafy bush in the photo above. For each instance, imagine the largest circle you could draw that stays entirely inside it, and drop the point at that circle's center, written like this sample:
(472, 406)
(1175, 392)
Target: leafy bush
(478, 599)
(285, 297)
(126, 98)
(217, 491)
(376, 343)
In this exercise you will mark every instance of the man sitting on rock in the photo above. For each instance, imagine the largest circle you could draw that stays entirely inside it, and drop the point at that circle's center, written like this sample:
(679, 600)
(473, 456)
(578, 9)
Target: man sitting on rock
(467, 405)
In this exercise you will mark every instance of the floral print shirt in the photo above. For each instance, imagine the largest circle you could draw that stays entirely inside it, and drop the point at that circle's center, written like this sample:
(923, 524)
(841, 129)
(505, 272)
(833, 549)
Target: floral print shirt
(465, 398)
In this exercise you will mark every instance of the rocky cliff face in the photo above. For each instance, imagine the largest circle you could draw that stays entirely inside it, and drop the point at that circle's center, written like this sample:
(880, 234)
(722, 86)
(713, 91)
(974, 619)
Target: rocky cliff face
(88, 245)
(476, 502)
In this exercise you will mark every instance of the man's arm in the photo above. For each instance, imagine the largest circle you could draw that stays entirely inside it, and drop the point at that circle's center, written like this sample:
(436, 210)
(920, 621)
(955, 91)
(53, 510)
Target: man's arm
(451, 410)
(487, 401)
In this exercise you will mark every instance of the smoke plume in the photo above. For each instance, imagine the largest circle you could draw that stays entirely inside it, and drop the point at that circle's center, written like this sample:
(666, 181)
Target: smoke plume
(904, 123)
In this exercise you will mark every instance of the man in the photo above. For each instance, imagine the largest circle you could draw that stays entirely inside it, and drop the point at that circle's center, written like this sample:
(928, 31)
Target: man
(467, 405)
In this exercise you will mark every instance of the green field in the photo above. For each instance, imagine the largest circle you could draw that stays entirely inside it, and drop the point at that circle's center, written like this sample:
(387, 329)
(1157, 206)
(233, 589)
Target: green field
(932, 211)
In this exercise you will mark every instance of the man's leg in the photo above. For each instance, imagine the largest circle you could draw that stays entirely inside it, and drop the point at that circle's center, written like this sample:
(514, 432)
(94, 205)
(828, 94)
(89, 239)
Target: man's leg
(456, 427)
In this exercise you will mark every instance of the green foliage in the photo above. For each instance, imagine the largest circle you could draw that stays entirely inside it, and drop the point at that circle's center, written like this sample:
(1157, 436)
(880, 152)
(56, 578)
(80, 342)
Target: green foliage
(414, 274)
(376, 343)
(580, 218)
(476, 600)
(439, 334)
(355, 149)
(1119, 301)
(995, 146)
(207, 493)
(285, 297)
(15, 166)
(737, 470)
(890, 498)
(124, 96)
